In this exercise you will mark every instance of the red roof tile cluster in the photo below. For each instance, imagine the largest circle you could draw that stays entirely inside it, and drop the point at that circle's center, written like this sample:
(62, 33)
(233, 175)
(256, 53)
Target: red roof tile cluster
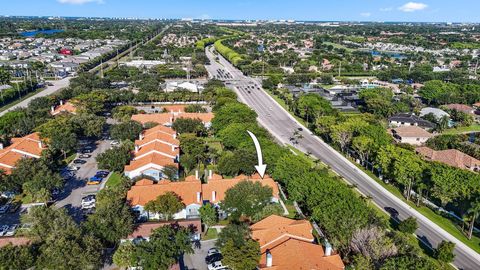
(65, 107)
(15, 241)
(29, 146)
(192, 190)
(460, 107)
(168, 118)
(290, 242)
(157, 146)
(451, 157)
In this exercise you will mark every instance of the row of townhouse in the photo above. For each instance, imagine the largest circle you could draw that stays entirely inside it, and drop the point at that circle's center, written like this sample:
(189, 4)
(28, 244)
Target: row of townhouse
(30, 146)
(168, 118)
(192, 192)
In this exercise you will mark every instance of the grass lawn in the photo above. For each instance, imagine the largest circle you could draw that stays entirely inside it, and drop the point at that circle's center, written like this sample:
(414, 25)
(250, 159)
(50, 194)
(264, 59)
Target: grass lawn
(114, 180)
(460, 130)
(211, 234)
(70, 158)
(445, 223)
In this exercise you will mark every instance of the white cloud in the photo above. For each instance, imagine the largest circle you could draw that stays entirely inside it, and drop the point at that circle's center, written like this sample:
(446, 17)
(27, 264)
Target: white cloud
(365, 14)
(387, 9)
(413, 6)
(79, 2)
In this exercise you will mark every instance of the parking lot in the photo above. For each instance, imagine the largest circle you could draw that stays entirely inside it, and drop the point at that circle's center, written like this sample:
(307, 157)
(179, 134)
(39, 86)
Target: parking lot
(76, 185)
(196, 261)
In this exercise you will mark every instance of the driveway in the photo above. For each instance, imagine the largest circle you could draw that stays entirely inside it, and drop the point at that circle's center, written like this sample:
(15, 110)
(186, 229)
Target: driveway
(196, 261)
(76, 186)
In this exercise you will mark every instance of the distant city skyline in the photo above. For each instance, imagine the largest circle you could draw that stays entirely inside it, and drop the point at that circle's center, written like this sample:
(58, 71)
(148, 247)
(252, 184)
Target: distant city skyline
(307, 10)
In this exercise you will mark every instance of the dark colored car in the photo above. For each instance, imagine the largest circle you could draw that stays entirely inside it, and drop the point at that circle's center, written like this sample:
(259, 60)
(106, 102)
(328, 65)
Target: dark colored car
(102, 174)
(86, 151)
(392, 211)
(213, 258)
(79, 161)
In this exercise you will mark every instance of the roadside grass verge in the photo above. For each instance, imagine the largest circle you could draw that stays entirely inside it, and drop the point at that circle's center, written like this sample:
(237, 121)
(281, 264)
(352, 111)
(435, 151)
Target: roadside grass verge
(460, 130)
(210, 234)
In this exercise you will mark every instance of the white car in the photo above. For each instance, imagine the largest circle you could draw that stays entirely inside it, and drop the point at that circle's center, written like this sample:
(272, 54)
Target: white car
(212, 251)
(216, 266)
(88, 202)
(3, 230)
(11, 230)
(114, 143)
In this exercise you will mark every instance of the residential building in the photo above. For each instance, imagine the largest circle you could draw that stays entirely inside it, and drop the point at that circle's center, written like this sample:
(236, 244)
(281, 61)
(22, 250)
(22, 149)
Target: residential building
(167, 119)
(175, 86)
(407, 119)
(450, 157)
(438, 113)
(191, 191)
(29, 146)
(289, 244)
(411, 135)
(144, 230)
(461, 108)
(64, 107)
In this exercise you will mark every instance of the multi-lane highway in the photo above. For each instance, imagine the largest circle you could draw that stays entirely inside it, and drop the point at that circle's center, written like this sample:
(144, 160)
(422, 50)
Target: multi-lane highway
(282, 125)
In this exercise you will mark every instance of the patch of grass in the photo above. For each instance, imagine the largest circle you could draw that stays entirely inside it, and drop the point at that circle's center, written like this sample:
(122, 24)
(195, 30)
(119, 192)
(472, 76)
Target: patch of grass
(114, 180)
(70, 158)
(211, 234)
(445, 223)
(15, 102)
(460, 130)
(291, 210)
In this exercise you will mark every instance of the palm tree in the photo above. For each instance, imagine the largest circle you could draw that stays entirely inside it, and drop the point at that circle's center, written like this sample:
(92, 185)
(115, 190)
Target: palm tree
(473, 211)
(443, 123)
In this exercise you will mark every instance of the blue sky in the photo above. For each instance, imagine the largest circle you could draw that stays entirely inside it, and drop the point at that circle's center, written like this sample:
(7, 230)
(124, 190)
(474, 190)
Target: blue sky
(364, 10)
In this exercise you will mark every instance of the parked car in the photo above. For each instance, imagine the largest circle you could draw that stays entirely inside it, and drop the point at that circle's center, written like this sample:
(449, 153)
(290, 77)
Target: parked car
(213, 258)
(114, 143)
(73, 168)
(11, 230)
(215, 266)
(88, 201)
(4, 208)
(95, 180)
(102, 174)
(212, 251)
(86, 151)
(84, 156)
(79, 161)
(3, 230)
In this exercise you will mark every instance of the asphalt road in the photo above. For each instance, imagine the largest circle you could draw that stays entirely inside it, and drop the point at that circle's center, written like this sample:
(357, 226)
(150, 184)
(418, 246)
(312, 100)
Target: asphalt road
(196, 261)
(282, 125)
(76, 187)
(57, 85)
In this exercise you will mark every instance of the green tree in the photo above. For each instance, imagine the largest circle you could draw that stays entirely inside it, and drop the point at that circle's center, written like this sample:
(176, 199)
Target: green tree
(473, 211)
(408, 262)
(16, 257)
(235, 135)
(246, 198)
(4, 76)
(113, 218)
(233, 113)
(268, 210)
(171, 172)
(115, 159)
(166, 205)
(124, 256)
(237, 162)
(408, 225)
(123, 113)
(195, 108)
(238, 233)
(208, 214)
(91, 103)
(126, 131)
(244, 257)
(88, 125)
(444, 252)
(188, 125)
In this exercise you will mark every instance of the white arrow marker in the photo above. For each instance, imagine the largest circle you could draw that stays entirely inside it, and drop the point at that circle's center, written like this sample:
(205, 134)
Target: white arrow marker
(260, 167)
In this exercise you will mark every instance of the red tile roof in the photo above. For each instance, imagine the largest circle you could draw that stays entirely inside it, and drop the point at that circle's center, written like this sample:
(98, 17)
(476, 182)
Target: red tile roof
(66, 107)
(283, 237)
(16, 241)
(169, 118)
(143, 193)
(29, 146)
(451, 157)
(460, 107)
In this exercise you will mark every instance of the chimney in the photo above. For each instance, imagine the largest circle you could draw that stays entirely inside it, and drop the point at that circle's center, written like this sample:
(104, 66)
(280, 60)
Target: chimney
(61, 102)
(196, 174)
(173, 148)
(199, 196)
(210, 174)
(40, 144)
(1, 146)
(140, 136)
(269, 258)
(171, 119)
(175, 135)
(328, 249)
(136, 148)
(214, 197)
(52, 109)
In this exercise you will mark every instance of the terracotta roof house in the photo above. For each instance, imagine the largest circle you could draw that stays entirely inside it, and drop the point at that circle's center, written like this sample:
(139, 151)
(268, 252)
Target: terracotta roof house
(289, 244)
(66, 107)
(450, 157)
(461, 108)
(156, 148)
(407, 119)
(167, 119)
(411, 134)
(144, 230)
(191, 191)
(15, 241)
(29, 146)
